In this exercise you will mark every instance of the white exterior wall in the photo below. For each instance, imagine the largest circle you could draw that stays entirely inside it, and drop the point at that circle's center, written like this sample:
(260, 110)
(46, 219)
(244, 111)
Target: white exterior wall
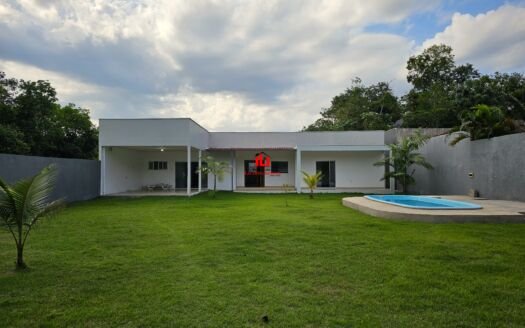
(262, 140)
(352, 169)
(152, 132)
(121, 170)
(199, 137)
(269, 180)
(163, 176)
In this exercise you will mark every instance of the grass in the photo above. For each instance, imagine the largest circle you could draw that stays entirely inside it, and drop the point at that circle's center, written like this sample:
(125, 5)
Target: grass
(174, 261)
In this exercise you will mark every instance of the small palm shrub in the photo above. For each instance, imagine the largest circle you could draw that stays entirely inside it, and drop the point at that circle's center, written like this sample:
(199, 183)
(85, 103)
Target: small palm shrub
(24, 203)
(312, 180)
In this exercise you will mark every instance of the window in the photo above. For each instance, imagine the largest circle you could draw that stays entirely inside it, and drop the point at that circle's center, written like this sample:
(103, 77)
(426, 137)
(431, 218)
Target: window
(157, 165)
(279, 167)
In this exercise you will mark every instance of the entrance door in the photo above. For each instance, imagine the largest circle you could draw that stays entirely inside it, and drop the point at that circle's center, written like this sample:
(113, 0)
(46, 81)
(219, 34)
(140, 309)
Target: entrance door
(253, 175)
(327, 168)
(181, 175)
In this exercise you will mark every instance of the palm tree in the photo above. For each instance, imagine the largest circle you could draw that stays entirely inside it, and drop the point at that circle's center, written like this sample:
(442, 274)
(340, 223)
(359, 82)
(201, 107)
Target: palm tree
(312, 180)
(481, 122)
(403, 156)
(217, 168)
(24, 203)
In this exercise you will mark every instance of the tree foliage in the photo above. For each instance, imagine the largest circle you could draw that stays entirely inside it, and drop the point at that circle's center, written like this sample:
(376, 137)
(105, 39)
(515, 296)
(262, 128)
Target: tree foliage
(32, 122)
(215, 167)
(360, 108)
(482, 122)
(442, 95)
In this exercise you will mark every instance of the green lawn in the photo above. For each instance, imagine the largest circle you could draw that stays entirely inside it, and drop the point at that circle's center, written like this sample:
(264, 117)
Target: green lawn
(174, 261)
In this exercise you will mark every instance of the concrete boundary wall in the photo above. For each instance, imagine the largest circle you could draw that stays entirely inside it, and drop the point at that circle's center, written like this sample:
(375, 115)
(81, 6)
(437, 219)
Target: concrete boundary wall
(496, 165)
(396, 134)
(78, 179)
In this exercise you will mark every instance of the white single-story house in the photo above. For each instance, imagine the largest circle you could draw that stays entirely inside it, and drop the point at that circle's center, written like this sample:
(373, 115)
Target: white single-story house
(140, 155)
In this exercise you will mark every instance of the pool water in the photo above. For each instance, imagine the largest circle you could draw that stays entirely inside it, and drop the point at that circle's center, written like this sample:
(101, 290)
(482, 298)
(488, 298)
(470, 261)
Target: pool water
(423, 202)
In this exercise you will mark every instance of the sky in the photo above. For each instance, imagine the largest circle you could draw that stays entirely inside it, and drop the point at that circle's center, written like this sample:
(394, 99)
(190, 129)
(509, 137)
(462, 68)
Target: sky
(241, 65)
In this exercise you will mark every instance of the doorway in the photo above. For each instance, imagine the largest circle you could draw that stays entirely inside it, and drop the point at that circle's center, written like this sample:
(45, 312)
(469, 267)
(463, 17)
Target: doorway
(181, 174)
(253, 174)
(327, 169)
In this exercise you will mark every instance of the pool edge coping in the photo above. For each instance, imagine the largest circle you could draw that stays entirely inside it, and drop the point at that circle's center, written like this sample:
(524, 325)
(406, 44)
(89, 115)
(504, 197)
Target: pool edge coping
(394, 212)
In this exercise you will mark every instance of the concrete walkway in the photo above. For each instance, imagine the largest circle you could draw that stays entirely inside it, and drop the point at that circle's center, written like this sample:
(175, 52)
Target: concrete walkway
(493, 211)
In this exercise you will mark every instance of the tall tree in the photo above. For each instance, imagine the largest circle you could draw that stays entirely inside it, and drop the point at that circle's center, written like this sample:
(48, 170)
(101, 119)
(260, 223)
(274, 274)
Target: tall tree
(503, 90)
(360, 107)
(435, 99)
(434, 65)
(443, 94)
(33, 122)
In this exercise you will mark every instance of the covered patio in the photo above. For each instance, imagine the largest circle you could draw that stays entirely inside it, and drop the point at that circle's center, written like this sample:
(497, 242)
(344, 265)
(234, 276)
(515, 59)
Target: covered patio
(153, 171)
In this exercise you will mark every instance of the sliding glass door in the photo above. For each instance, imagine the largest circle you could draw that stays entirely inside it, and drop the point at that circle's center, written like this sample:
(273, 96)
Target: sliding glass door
(181, 174)
(327, 168)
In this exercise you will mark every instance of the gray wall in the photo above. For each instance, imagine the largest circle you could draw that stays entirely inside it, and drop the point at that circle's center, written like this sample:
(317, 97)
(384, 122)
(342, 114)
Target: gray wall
(78, 179)
(497, 164)
(395, 135)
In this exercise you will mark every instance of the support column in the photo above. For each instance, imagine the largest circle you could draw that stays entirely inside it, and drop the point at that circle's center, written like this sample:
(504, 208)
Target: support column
(200, 167)
(102, 158)
(234, 170)
(298, 170)
(392, 180)
(188, 178)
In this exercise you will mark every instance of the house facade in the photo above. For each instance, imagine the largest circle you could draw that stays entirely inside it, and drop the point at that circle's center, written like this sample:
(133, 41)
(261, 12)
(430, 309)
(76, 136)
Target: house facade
(165, 154)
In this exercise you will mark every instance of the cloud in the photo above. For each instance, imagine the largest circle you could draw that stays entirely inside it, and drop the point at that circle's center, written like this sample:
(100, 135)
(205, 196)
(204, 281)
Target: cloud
(232, 64)
(493, 41)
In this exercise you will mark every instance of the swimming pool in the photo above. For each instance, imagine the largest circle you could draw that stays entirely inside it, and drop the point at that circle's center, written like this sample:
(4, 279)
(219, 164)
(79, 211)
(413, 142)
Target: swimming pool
(423, 202)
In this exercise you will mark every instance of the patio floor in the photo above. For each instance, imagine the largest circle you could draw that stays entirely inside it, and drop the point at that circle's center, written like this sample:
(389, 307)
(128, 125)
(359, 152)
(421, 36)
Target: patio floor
(291, 189)
(493, 211)
(142, 193)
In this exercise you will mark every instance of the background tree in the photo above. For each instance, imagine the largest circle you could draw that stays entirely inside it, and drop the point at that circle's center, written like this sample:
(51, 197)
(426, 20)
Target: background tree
(404, 156)
(312, 180)
(503, 90)
(442, 94)
(217, 168)
(360, 107)
(33, 122)
(23, 204)
(435, 99)
(480, 123)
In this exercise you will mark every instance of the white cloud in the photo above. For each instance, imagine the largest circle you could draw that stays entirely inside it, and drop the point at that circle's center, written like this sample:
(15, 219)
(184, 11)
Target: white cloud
(232, 64)
(221, 111)
(491, 41)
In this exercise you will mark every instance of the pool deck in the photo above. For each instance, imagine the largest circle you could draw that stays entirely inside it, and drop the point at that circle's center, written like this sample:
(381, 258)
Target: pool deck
(493, 211)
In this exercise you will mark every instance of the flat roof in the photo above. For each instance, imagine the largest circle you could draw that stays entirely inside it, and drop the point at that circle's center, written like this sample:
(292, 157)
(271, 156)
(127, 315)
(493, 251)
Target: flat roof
(190, 119)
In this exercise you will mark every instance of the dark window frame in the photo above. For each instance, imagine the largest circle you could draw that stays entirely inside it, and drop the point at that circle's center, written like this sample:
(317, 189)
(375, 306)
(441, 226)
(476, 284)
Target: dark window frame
(280, 167)
(157, 165)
